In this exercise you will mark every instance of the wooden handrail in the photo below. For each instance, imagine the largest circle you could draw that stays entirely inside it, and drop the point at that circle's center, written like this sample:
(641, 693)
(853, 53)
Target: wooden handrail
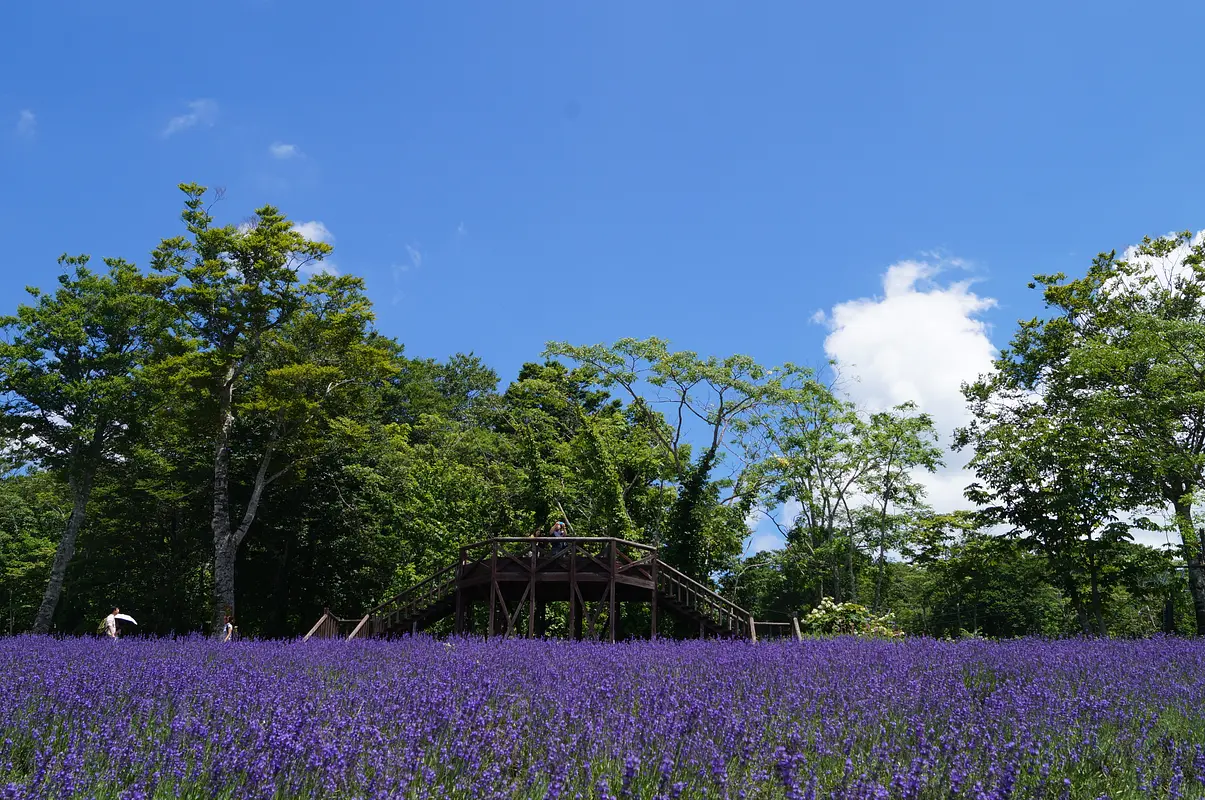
(711, 594)
(317, 625)
(509, 539)
(356, 631)
(415, 589)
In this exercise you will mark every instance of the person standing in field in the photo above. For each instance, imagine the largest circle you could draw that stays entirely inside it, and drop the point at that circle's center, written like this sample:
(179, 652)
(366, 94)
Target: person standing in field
(110, 623)
(228, 630)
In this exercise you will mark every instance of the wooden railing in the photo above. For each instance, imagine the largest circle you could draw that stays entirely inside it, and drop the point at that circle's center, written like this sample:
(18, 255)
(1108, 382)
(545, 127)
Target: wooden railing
(329, 626)
(777, 630)
(410, 602)
(524, 546)
(723, 614)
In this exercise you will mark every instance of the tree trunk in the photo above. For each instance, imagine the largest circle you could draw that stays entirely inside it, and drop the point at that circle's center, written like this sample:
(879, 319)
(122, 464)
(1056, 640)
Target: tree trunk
(1096, 605)
(81, 492)
(223, 583)
(226, 538)
(878, 583)
(1193, 556)
(1077, 604)
(1094, 587)
(849, 564)
(223, 553)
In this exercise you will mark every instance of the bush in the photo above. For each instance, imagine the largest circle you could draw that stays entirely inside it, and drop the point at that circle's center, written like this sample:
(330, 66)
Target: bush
(848, 619)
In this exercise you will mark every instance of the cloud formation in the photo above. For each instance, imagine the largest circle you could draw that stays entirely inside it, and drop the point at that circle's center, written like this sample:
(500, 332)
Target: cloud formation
(919, 341)
(282, 151)
(316, 231)
(200, 112)
(416, 256)
(27, 124)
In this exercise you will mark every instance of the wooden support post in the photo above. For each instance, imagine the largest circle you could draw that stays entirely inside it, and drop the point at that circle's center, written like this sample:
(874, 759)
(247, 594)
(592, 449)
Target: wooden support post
(362, 629)
(752, 629)
(317, 629)
(653, 603)
(575, 620)
(795, 622)
(611, 611)
(493, 588)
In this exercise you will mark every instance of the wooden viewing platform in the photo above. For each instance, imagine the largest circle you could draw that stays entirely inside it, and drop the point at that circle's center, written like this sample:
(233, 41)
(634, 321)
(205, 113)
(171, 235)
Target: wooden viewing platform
(515, 578)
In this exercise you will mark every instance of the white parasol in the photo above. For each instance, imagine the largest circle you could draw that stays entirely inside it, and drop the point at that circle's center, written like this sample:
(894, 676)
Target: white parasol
(125, 617)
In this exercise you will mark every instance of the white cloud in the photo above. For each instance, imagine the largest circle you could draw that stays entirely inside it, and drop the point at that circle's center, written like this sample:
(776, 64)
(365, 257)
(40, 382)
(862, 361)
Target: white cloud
(767, 526)
(200, 112)
(414, 261)
(1165, 270)
(27, 124)
(316, 231)
(763, 541)
(416, 257)
(284, 151)
(919, 341)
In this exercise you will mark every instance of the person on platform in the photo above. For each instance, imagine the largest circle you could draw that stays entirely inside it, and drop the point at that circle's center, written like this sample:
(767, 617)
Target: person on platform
(559, 531)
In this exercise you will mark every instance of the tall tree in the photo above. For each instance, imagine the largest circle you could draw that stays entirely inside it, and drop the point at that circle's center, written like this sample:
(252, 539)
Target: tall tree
(711, 400)
(811, 450)
(1054, 479)
(273, 352)
(899, 442)
(71, 381)
(1123, 351)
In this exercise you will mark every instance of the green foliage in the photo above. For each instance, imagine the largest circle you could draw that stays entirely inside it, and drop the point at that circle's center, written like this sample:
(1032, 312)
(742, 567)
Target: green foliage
(72, 365)
(718, 399)
(1110, 384)
(33, 513)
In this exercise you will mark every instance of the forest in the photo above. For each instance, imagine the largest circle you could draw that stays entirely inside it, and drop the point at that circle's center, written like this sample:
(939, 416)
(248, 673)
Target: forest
(225, 431)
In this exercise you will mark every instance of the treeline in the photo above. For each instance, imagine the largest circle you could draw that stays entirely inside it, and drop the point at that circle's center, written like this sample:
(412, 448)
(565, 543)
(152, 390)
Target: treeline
(226, 431)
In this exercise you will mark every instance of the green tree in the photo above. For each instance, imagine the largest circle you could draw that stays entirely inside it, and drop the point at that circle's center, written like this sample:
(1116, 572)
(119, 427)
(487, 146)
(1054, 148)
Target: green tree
(852, 478)
(899, 442)
(71, 378)
(33, 510)
(710, 398)
(811, 449)
(967, 578)
(1122, 353)
(1054, 478)
(280, 356)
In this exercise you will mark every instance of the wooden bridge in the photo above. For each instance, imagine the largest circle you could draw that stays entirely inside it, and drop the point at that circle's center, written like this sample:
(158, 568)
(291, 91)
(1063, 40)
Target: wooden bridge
(506, 583)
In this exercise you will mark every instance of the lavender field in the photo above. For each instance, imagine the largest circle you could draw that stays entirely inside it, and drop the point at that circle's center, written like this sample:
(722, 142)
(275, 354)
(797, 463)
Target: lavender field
(428, 718)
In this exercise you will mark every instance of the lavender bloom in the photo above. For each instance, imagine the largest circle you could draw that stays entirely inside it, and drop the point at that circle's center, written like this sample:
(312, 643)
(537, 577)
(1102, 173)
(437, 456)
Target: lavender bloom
(416, 718)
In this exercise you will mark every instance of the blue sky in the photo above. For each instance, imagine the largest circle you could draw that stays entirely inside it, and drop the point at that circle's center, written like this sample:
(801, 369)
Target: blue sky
(504, 174)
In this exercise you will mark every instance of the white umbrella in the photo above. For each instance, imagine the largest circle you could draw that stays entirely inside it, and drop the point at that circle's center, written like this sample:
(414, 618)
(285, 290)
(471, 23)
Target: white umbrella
(126, 617)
